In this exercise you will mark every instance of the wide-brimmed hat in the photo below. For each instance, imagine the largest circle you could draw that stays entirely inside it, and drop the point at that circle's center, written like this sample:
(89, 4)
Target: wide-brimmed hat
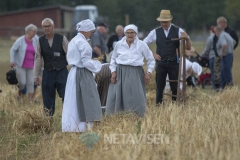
(165, 15)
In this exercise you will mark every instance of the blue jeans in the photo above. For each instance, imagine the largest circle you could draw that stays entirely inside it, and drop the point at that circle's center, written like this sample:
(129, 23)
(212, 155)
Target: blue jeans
(226, 70)
(52, 80)
(211, 66)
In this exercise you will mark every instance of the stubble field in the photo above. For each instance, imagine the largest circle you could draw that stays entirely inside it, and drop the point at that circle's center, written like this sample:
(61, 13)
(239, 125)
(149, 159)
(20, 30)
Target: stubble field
(206, 127)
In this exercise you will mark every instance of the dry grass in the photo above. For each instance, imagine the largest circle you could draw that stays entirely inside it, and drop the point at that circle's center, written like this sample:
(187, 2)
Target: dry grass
(206, 127)
(33, 121)
(5, 46)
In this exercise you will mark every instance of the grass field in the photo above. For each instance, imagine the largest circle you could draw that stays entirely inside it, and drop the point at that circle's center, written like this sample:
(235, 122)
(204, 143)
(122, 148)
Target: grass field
(206, 127)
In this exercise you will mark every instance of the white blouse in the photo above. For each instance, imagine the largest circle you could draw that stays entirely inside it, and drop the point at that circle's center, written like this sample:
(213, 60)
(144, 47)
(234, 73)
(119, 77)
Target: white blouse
(79, 54)
(133, 55)
(152, 35)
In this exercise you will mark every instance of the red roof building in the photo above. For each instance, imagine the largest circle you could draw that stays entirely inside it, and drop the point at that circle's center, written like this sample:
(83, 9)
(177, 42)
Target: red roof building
(13, 23)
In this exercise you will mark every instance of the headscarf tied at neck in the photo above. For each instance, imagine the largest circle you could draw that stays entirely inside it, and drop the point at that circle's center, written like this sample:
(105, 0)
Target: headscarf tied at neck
(85, 26)
(131, 26)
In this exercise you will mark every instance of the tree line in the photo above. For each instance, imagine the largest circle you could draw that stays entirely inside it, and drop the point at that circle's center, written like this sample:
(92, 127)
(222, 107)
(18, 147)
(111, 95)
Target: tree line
(188, 14)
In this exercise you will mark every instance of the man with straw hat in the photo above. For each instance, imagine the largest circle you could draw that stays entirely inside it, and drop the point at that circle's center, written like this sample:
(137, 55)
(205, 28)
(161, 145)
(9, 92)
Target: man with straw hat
(167, 53)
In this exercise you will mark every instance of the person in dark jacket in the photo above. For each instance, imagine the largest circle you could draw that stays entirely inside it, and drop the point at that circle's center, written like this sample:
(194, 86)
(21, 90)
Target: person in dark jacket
(222, 21)
(51, 49)
(116, 37)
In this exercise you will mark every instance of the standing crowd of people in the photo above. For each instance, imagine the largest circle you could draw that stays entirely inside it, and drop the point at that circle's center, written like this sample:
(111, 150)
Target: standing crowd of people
(118, 82)
(220, 47)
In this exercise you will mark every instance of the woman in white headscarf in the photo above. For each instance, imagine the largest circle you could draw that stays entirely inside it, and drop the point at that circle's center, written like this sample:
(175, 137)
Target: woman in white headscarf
(81, 103)
(127, 91)
(192, 69)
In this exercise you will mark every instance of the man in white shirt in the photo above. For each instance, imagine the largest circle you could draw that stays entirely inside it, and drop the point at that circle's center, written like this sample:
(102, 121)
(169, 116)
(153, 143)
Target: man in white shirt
(167, 53)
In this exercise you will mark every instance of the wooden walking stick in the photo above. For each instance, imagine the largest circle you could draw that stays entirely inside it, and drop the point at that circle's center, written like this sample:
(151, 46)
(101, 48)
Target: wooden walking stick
(181, 94)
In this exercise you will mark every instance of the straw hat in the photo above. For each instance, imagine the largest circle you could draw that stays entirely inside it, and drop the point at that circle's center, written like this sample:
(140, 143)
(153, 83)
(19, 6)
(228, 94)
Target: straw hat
(165, 15)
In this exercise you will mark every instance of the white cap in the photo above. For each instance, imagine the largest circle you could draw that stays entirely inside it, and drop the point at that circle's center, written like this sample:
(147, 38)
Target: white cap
(197, 68)
(85, 26)
(131, 26)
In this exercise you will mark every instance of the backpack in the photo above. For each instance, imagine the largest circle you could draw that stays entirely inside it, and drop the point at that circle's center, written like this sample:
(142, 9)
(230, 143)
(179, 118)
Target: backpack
(11, 77)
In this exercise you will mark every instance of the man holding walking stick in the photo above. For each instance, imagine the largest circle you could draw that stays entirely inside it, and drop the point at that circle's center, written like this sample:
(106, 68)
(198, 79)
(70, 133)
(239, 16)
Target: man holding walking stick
(167, 60)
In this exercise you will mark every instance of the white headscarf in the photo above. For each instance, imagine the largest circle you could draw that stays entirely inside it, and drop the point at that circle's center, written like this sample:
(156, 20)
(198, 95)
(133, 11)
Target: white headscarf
(188, 64)
(197, 68)
(131, 26)
(85, 26)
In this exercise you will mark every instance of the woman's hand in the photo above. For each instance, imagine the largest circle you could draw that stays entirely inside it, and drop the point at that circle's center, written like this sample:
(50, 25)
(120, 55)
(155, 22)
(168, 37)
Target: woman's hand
(114, 77)
(12, 65)
(147, 78)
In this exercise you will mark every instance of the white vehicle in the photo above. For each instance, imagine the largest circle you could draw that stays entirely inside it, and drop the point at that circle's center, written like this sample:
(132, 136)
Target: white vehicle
(85, 12)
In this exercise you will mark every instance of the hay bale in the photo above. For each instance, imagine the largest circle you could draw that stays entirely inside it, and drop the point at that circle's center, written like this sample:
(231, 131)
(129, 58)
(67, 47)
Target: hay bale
(33, 121)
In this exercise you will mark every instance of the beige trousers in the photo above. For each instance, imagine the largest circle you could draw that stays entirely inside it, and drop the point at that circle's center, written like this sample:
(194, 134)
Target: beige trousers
(25, 76)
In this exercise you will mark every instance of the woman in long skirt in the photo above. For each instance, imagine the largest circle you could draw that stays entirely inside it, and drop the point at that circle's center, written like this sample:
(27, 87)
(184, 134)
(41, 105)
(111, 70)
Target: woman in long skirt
(127, 91)
(81, 104)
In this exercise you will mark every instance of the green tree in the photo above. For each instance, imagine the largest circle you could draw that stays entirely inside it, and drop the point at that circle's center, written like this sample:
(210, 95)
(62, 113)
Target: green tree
(233, 13)
(188, 14)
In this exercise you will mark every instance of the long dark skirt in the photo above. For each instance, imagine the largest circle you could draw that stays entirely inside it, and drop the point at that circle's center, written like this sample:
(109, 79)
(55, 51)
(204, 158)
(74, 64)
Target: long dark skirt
(128, 93)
